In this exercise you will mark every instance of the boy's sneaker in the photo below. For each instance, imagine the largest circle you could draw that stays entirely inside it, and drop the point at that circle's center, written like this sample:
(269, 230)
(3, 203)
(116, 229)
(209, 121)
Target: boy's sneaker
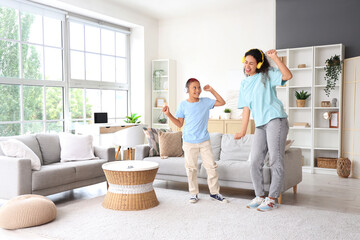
(219, 198)
(194, 198)
(267, 205)
(255, 202)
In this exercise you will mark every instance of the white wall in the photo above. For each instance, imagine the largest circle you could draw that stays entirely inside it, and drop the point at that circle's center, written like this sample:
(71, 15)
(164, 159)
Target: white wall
(351, 114)
(210, 45)
(144, 43)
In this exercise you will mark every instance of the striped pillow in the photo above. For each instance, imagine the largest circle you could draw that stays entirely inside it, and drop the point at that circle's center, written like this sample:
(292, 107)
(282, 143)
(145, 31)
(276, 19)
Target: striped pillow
(152, 135)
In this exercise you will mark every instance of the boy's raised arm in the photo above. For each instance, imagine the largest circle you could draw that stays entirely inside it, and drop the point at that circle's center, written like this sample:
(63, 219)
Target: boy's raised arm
(219, 100)
(179, 122)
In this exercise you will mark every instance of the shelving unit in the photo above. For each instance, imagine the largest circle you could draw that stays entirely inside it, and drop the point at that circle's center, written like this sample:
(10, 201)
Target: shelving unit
(318, 140)
(163, 90)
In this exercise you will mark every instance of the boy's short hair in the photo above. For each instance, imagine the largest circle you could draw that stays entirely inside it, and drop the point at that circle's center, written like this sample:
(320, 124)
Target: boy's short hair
(191, 80)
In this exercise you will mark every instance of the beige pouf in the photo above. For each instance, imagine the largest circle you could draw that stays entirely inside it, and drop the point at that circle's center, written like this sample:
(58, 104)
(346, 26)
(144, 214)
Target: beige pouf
(27, 211)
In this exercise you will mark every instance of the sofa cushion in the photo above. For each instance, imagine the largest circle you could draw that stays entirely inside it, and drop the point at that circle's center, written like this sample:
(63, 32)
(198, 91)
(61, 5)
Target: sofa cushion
(28, 140)
(215, 140)
(172, 165)
(76, 147)
(237, 150)
(50, 147)
(87, 169)
(152, 135)
(53, 175)
(238, 171)
(170, 144)
(17, 149)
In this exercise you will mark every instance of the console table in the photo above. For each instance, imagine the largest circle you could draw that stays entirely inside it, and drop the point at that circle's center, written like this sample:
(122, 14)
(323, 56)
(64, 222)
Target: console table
(229, 126)
(103, 132)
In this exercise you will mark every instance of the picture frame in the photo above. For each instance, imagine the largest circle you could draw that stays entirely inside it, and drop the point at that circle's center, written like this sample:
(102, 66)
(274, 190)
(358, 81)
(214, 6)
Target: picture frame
(334, 120)
(160, 102)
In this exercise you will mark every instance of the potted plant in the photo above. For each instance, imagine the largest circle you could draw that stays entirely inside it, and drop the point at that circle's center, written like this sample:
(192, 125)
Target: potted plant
(157, 78)
(227, 112)
(162, 118)
(332, 70)
(133, 118)
(301, 98)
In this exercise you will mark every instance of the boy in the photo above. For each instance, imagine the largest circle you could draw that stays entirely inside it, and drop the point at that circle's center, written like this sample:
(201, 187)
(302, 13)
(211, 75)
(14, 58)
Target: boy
(195, 112)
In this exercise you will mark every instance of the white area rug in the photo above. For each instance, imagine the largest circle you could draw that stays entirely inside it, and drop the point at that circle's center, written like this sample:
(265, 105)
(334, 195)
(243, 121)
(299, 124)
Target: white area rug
(175, 218)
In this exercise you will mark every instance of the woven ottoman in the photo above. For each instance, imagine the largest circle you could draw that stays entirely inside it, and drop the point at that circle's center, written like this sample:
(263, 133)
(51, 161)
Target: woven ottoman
(26, 211)
(130, 185)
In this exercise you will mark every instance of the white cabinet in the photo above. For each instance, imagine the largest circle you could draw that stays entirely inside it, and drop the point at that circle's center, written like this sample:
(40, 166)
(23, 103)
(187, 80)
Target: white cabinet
(163, 91)
(317, 140)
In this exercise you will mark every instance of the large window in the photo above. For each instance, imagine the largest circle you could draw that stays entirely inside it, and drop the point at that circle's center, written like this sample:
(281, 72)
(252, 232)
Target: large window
(97, 53)
(84, 102)
(98, 57)
(40, 72)
(31, 71)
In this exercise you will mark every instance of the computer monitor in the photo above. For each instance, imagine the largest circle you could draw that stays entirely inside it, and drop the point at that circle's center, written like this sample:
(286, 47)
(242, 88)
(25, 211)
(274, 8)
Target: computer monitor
(100, 117)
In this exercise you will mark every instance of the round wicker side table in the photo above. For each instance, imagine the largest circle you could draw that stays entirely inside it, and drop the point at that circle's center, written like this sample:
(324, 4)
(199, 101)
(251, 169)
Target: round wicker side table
(130, 185)
(343, 167)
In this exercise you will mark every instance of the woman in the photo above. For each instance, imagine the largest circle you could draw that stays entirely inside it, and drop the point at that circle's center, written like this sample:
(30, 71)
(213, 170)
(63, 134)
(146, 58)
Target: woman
(258, 95)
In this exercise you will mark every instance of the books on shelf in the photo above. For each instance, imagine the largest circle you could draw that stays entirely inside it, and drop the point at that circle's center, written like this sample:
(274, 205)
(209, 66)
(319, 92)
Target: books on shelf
(301, 125)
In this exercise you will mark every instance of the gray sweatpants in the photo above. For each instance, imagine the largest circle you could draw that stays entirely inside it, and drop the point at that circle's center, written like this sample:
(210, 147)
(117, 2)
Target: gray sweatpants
(271, 138)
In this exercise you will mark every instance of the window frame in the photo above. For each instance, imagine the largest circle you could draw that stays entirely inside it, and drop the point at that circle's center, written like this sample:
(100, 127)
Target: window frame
(93, 84)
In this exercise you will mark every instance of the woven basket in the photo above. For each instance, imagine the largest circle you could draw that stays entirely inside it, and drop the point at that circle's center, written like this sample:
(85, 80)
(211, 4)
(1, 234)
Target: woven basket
(326, 162)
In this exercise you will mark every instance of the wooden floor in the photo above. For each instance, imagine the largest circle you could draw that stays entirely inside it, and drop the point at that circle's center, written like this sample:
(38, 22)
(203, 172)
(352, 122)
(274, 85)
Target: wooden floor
(316, 191)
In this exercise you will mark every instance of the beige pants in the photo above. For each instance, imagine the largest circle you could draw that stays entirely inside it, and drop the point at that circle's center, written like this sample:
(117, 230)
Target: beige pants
(192, 151)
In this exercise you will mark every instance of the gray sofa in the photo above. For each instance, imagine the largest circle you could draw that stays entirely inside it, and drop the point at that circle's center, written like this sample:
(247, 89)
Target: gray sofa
(17, 177)
(232, 158)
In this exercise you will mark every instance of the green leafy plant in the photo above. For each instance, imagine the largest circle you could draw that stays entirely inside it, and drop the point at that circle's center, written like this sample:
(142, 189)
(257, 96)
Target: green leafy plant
(157, 78)
(332, 71)
(162, 118)
(133, 118)
(158, 72)
(303, 95)
(227, 110)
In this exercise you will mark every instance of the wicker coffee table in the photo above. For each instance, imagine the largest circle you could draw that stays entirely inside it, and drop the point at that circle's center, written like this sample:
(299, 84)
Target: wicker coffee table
(130, 185)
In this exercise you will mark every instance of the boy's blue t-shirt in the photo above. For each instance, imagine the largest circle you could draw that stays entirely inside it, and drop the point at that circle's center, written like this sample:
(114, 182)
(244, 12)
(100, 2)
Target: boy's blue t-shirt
(196, 119)
(262, 100)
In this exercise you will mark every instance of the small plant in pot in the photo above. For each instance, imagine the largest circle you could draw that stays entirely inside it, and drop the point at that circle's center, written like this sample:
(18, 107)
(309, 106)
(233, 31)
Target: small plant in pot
(162, 118)
(332, 71)
(227, 112)
(133, 118)
(301, 98)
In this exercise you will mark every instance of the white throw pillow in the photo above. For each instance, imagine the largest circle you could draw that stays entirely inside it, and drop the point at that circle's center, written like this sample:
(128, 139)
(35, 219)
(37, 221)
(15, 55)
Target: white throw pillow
(76, 147)
(16, 148)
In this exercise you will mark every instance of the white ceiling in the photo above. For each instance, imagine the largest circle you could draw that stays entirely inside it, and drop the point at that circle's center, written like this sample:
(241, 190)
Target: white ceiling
(165, 9)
